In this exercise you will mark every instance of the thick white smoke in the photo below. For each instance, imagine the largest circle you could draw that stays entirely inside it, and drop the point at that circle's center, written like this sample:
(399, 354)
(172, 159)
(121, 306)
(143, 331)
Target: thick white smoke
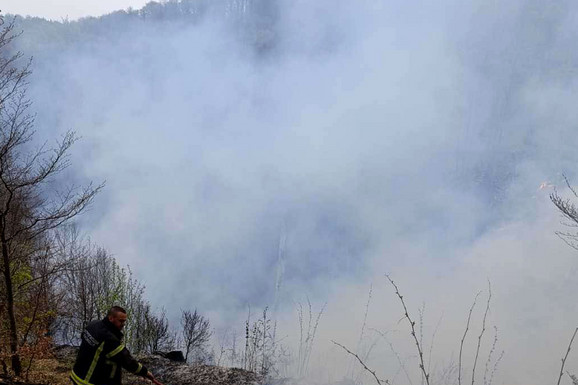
(368, 137)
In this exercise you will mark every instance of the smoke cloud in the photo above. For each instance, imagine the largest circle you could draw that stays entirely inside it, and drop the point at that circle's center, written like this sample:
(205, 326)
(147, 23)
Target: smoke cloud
(347, 140)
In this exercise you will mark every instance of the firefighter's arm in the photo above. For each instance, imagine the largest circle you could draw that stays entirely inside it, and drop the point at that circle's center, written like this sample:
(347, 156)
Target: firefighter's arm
(121, 355)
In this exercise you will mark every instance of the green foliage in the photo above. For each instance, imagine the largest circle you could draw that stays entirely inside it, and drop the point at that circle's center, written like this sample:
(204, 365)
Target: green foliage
(95, 284)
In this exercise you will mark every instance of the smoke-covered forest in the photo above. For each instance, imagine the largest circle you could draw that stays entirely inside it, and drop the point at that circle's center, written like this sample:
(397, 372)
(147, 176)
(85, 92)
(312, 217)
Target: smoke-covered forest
(326, 192)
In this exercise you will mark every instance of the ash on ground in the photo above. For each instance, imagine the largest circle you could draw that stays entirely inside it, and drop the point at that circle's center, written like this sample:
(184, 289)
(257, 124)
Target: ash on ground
(176, 373)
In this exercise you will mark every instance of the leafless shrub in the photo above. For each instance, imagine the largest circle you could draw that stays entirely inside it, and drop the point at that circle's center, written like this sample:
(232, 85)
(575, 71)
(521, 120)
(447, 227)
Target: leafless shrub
(225, 350)
(158, 335)
(445, 375)
(259, 345)
(264, 353)
(196, 333)
(306, 336)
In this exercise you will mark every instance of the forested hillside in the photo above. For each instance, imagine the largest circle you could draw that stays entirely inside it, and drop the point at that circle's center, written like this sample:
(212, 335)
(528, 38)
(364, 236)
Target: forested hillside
(253, 21)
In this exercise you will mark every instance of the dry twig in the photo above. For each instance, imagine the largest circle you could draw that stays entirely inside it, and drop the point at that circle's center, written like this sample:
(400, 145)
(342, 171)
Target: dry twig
(482, 331)
(566, 356)
(413, 334)
(401, 363)
(464, 338)
(362, 364)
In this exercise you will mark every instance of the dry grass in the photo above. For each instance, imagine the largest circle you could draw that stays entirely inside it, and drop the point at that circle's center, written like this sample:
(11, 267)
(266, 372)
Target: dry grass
(50, 371)
(45, 371)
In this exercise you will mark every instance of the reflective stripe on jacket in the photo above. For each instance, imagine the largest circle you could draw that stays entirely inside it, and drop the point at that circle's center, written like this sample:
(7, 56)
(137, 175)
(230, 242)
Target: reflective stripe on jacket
(102, 355)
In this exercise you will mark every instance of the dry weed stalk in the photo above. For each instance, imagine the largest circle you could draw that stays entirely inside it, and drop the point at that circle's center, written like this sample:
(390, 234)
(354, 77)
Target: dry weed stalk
(495, 367)
(482, 331)
(306, 344)
(447, 373)
(350, 369)
(489, 360)
(421, 312)
(401, 362)
(413, 334)
(566, 356)
(261, 349)
(432, 343)
(464, 338)
(379, 382)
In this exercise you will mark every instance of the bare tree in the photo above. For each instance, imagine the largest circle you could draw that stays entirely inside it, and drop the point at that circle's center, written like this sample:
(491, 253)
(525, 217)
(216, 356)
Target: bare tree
(196, 331)
(30, 207)
(570, 212)
(77, 285)
(95, 282)
(158, 335)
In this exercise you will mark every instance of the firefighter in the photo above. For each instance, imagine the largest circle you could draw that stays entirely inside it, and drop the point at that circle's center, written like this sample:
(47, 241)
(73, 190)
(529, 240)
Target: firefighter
(102, 353)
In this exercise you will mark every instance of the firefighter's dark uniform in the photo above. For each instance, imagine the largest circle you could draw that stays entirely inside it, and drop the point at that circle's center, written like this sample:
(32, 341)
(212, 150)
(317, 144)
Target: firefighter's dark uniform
(101, 356)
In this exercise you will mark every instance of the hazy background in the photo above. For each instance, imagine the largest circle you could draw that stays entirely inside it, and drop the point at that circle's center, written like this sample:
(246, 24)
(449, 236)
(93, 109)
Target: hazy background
(67, 9)
(316, 146)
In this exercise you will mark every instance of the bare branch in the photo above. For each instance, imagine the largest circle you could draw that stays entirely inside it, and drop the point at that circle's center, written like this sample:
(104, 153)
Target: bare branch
(379, 382)
(566, 356)
(401, 363)
(464, 338)
(482, 331)
(413, 334)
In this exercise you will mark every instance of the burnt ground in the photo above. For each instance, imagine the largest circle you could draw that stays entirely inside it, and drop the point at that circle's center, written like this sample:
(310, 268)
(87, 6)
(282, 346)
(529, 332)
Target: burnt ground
(55, 371)
(176, 373)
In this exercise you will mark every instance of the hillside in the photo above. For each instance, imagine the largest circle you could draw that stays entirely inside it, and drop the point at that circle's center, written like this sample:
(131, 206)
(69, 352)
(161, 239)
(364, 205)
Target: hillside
(55, 371)
(253, 24)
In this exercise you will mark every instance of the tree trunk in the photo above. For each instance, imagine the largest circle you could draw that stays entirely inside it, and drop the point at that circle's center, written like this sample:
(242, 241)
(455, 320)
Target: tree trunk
(16, 365)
